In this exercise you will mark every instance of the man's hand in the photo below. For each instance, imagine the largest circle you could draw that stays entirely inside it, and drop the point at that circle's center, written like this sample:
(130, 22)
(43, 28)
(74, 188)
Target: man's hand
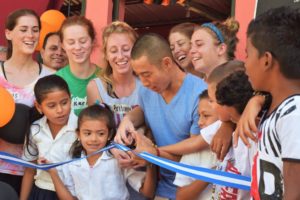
(123, 135)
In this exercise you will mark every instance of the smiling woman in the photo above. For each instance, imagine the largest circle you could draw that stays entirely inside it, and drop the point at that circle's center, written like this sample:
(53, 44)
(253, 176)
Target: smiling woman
(22, 34)
(78, 35)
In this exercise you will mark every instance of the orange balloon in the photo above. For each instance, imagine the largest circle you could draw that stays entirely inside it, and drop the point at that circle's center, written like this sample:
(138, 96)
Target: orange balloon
(7, 106)
(51, 21)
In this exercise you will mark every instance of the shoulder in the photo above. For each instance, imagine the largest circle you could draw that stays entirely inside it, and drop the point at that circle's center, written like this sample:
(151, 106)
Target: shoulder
(63, 71)
(47, 70)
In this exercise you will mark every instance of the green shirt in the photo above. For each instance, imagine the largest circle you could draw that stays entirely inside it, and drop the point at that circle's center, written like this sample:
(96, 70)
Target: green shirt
(77, 87)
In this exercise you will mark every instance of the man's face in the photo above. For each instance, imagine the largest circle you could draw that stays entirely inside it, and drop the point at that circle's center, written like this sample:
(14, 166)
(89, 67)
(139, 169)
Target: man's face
(156, 78)
(53, 55)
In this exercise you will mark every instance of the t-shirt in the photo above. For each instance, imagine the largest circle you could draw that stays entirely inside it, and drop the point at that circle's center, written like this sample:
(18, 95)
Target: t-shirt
(119, 106)
(278, 141)
(23, 95)
(77, 88)
(172, 122)
(238, 161)
(205, 158)
(102, 181)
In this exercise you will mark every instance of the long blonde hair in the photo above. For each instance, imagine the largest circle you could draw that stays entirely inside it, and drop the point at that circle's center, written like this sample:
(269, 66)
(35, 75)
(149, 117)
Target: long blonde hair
(114, 27)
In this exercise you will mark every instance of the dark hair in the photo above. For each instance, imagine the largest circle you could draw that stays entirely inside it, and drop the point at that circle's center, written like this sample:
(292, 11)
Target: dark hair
(223, 70)
(42, 87)
(47, 37)
(228, 29)
(185, 29)
(277, 31)
(81, 21)
(203, 95)
(12, 21)
(98, 112)
(153, 46)
(47, 84)
(234, 90)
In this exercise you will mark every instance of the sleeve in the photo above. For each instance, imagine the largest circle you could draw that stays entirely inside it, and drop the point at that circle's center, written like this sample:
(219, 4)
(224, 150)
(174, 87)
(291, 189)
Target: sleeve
(140, 97)
(288, 133)
(135, 178)
(195, 129)
(66, 177)
(209, 132)
(30, 151)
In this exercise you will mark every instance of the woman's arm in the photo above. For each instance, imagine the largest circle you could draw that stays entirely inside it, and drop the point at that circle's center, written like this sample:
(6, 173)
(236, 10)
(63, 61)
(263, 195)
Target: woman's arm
(92, 93)
(27, 182)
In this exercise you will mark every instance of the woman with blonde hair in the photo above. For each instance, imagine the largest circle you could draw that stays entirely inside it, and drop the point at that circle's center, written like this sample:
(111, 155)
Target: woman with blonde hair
(116, 84)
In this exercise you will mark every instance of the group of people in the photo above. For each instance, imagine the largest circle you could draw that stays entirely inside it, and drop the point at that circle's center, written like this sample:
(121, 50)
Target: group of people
(186, 99)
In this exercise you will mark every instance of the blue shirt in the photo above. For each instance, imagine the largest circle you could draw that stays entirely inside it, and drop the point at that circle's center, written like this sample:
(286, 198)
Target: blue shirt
(172, 122)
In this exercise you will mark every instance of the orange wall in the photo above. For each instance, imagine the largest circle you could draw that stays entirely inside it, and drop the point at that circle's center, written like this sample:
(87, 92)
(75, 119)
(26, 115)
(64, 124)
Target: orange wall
(244, 13)
(100, 13)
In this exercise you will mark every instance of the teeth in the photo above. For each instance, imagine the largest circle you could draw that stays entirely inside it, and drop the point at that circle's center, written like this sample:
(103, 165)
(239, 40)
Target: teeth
(29, 43)
(194, 59)
(181, 57)
(122, 63)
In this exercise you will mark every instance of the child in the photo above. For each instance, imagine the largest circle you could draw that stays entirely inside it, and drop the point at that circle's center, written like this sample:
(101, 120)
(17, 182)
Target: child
(189, 188)
(98, 176)
(50, 137)
(199, 143)
(272, 64)
(229, 98)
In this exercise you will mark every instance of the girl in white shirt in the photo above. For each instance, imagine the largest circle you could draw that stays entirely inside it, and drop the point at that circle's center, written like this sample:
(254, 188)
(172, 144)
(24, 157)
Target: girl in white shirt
(50, 137)
(98, 176)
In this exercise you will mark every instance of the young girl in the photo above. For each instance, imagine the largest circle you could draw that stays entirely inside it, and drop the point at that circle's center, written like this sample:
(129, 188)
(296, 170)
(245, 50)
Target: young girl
(18, 75)
(98, 176)
(78, 36)
(50, 137)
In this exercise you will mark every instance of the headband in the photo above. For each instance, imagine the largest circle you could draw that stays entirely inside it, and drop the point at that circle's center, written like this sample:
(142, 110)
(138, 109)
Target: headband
(215, 29)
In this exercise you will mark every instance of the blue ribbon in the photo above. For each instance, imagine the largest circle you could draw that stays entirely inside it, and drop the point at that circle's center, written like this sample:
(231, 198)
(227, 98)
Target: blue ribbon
(204, 174)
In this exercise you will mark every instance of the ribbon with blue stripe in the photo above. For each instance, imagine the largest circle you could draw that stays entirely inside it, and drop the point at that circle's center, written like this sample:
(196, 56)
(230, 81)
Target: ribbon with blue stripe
(200, 173)
(18, 161)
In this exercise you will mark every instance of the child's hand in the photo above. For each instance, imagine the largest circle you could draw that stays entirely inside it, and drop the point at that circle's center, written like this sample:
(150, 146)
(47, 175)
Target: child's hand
(247, 123)
(42, 161)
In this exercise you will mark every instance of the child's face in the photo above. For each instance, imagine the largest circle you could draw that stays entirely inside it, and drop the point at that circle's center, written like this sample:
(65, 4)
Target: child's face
(225, 113)
(93, 135)
(255, 67)
(56, 106)
(207, 115)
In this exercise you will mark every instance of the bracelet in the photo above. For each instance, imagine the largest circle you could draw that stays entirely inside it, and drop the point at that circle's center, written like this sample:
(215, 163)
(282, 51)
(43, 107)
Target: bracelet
(157, 150)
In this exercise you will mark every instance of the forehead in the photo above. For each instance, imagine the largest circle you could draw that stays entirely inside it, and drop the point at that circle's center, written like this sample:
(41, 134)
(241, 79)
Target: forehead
(27, 20)
(177, 36)
(75, 31)
(119, 39)
(53, 40)
(201, 34)
(211, 89)
(142, 65)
